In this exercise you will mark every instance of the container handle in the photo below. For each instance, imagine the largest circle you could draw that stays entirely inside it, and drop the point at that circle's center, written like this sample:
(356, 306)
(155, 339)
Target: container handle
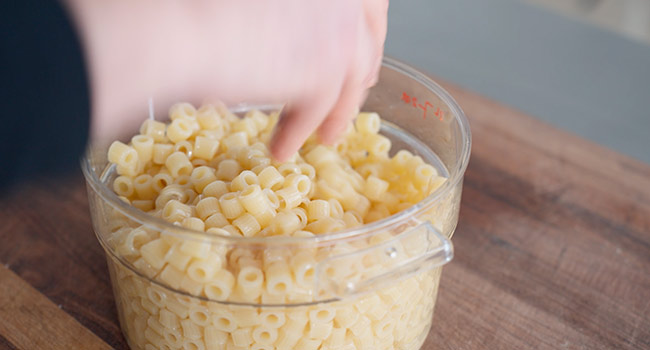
(422, 248)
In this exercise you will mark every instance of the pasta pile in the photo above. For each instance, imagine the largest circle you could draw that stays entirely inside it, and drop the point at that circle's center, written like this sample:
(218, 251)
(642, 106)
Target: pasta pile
(209, 170)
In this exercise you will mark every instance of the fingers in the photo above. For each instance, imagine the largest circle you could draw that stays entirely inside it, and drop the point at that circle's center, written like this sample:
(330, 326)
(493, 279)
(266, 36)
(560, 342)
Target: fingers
(331, 113)
(342, 112)
(298, 122)
(376, 14)
(364, 71)
(375, 17)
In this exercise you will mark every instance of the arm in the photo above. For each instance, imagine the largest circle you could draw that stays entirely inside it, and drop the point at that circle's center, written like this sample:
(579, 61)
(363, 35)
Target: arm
(317, 56)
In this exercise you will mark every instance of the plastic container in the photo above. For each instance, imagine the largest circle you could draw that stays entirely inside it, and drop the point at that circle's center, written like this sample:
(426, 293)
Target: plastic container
(373, 287)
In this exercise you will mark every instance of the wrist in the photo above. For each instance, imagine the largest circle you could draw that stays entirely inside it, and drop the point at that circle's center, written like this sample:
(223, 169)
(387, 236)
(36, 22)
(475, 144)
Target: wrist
(121, 46)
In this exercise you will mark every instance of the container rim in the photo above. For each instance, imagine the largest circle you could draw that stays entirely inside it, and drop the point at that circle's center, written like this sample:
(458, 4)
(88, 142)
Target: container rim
(456, 175)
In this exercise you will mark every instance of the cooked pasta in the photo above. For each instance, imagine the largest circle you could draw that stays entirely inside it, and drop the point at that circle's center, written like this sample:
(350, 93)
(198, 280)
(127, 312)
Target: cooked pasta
(221, 286)
(246, 125)
(178, 164)
(143, 144)
(230, 205)
(320, 330)
(154, 253)
(205, 147)
(182, 110)
(216, 220)
(318, 209)
(215, 189)
(177, 258)
(289, 197)
(228, 169)
(253, 200)
(154, 129)
(272, 319)
(285, 222)
(375, 188)
(123, 186)
(175, 211)
(208, 117)
(201, 177)
(179, 130)
(247, 225)
(301, 213)
(210, 171)
(278, 278)
(207, 206)
(242, 337)
(160, 152)
(203, 271)
(124, 157)
(265, 335)
(223, 320)
(235, 141)
(368, 123)
(258, 118)
(270, 177)
(244, 179)
(247, 316)
(144, 187)
(301, 182)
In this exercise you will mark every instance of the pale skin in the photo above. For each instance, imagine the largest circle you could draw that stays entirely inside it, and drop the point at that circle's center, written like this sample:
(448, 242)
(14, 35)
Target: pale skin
(318, 57)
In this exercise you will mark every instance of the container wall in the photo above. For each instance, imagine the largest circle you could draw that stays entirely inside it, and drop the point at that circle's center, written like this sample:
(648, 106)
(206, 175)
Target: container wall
(375, 289)
(153, 317)
(192, 285)
(424, 113)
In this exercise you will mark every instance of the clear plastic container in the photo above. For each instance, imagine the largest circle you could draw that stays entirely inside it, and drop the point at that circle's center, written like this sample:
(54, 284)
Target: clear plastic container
(372, 287)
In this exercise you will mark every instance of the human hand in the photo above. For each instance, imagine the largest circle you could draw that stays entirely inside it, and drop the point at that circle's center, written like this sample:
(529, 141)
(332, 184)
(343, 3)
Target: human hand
(330, 105)
(317, 56)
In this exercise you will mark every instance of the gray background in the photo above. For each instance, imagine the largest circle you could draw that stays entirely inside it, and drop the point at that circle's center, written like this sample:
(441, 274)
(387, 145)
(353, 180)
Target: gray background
(581, 78)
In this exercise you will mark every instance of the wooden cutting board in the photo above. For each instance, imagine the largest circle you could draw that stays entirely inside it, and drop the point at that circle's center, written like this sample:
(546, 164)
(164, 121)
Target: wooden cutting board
(552, 250)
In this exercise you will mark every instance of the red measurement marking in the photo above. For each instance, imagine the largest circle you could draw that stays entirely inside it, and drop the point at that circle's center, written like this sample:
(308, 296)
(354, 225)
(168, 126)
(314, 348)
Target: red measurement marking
(414, 102)
(424, 109)
(438, 113)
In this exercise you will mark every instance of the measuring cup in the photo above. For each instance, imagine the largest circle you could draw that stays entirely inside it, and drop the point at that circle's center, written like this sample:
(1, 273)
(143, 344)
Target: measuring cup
(372, 287)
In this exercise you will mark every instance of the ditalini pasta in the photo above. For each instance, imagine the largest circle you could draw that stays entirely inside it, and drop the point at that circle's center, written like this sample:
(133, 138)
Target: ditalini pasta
(210, 172)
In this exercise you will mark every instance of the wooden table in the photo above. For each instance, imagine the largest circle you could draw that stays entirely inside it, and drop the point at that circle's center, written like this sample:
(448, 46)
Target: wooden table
(552, 250)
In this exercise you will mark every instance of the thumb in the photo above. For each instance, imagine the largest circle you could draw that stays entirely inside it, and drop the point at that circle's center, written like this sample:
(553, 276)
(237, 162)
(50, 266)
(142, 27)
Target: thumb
(297, 122)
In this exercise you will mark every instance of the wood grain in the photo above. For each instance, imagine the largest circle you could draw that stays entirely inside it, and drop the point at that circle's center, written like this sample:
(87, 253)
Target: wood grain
(5, 344)
(47, 239)
(28, 320)
(553, 244)
(552, 247)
